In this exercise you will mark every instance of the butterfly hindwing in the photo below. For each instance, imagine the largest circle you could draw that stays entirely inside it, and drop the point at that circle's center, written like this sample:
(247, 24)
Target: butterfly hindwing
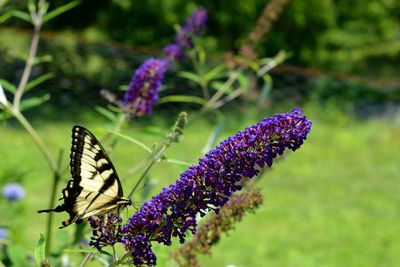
(95, 187)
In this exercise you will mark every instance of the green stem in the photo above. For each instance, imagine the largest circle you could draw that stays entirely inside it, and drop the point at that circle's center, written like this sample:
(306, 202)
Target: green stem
(36, 138)
(121, 260)
(117, 128)
(86, 259)
(56, 179)
(154, 159)
(232, 78)
(203, 83)
(173, 136)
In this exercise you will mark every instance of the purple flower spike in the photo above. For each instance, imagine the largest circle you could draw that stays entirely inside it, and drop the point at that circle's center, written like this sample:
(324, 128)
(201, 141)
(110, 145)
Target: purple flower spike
(183, 38)
(143, 89)
(106, 230)
(13, 191)
(209, 184)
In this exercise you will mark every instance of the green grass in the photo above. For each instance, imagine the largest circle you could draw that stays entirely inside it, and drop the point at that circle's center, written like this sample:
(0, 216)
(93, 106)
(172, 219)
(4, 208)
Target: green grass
(334, 202)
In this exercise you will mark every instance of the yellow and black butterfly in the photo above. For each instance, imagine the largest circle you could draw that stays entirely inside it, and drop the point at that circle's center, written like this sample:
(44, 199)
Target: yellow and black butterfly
(95, 188)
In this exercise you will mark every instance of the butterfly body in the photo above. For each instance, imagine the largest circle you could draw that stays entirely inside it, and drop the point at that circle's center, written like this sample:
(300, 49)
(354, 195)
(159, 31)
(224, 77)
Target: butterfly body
(95, 188)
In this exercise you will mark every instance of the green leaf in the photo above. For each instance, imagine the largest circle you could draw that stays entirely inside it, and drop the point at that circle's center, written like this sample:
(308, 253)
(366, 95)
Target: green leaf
(179, 162)
(266, 89)
(58, 11)
(21, 15)
(190, 76)
(214, 73)
(181, 98)
(33, 102)
(133, 140)
(217, 85)
(106, 113)
(17, 255)
(39, 80)
(40, 255)
(87, 250)
(4, 17)
(45, 58)
(243, 81)
(8, 86)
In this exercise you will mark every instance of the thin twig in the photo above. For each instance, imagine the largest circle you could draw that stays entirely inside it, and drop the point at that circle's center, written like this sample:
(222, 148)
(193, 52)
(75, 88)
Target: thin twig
(28, 66)
(228, 98)
(86, 259)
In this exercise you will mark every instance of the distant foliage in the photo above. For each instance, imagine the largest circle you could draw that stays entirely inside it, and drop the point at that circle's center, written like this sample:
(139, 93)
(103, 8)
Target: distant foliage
(320, 33)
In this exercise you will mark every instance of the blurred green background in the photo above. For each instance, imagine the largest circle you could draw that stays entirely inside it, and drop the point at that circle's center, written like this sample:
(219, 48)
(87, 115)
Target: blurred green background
(335, 202)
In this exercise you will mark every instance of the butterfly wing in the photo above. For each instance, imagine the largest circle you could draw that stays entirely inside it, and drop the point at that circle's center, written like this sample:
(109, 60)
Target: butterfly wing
(95, 187)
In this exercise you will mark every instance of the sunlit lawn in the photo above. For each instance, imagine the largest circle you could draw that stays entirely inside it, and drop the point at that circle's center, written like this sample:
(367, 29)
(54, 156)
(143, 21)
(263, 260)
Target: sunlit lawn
(335, 202)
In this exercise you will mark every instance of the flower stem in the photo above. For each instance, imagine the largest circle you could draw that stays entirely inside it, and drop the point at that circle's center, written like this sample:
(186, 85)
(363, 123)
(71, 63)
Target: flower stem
(173, 136)
(86, 259)
(56, 179)
(36, 138)
(28, 67)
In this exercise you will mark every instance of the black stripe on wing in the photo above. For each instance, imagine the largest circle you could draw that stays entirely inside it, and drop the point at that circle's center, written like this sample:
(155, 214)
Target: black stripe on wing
(79, 135)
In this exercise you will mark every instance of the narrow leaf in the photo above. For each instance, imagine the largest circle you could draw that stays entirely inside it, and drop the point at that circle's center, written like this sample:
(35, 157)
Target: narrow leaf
(62, 9)
(5, 16)
(243, 81)
(133, 140)
(179, 162)
(39, 80)
(45, 58)
(40, 251)
(190, 76)
(221, 86)
(21, 15)
(106, 113)
(181, 98)
(33, 102)
(201, 55)
(8, 86)
(87, 250)
(214, 73)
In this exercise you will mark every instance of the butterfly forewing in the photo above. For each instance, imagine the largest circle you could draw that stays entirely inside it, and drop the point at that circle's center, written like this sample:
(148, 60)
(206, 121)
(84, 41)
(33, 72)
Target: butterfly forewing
(94, 173)
(95, 187)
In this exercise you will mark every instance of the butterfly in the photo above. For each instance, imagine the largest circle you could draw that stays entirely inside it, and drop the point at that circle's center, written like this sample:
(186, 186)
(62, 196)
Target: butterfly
(95, 188)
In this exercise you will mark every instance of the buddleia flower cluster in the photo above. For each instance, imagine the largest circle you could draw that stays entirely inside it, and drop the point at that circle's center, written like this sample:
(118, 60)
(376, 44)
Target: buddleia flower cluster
(209, 184)
(184, 37)
(143, 89)
(142, 92)
(105, 230)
